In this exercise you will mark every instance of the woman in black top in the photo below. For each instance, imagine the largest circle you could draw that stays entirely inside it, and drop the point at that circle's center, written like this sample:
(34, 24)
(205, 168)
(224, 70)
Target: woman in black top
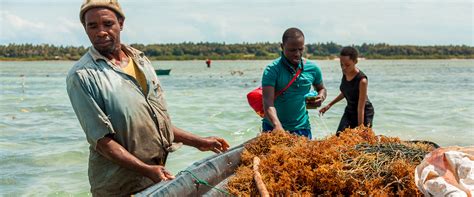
(354, 83)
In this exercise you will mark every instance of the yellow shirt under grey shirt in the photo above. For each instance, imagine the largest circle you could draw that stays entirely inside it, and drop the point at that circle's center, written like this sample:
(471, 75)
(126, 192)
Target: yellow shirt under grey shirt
(133, 70)
(109, 102)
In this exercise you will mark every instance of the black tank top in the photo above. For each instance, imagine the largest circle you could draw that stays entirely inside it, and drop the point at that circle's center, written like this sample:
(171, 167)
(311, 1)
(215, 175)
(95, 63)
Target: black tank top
(350, 89)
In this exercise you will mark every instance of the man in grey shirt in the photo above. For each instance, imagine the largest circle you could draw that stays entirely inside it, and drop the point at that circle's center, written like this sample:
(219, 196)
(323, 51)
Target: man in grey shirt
(120, 106)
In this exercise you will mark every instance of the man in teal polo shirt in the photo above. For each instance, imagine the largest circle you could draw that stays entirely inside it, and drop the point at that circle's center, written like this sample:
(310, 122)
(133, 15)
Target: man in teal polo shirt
(288, 110)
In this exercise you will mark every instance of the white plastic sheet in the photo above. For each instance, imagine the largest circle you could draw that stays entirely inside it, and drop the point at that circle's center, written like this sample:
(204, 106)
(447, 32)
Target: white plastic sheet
(447, 172)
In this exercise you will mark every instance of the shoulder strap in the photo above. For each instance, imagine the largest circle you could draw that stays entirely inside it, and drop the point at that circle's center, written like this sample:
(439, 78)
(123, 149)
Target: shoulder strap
(289, 84)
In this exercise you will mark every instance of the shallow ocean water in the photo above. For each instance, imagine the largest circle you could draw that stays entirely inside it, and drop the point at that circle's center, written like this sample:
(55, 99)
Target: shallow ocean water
(43, 150)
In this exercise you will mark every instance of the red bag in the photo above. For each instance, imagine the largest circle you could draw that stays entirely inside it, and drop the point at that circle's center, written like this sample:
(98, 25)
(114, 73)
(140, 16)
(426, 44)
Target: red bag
(255, 97)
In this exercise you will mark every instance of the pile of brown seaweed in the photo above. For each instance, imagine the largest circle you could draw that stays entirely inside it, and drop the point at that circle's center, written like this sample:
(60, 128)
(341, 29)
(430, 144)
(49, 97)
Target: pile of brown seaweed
(355, 163)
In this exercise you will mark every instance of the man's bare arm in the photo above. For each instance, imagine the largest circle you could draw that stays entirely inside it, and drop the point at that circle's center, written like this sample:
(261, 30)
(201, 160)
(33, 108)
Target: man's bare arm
(116, 153)
(269, 108)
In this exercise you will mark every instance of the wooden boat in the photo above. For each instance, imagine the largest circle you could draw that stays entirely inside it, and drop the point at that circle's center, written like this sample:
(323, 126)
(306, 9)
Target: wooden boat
(162, 71)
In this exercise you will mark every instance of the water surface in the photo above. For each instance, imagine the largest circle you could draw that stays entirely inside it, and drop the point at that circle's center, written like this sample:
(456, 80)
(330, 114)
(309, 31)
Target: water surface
(43, 150)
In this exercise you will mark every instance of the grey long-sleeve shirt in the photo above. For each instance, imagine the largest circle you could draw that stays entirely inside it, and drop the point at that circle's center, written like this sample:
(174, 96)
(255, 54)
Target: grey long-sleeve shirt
(109, 102)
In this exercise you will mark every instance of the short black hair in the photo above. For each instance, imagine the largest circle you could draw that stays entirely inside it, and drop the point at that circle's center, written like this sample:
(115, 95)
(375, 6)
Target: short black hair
(351, 52)
(292, 32)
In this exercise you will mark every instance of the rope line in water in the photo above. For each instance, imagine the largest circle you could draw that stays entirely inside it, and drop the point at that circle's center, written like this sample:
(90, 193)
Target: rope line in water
(203, 182)
(324, 123)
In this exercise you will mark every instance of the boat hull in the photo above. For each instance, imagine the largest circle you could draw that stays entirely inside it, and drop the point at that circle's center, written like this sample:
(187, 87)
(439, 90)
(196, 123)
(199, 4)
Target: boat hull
(162, 71)
(216, 170)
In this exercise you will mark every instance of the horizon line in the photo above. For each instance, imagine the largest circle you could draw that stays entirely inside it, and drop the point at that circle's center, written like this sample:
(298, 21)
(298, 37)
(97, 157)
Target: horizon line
(225, 43)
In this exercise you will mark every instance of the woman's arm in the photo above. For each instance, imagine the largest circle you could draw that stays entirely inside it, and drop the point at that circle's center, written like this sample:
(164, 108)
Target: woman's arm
(337, 99)
(334, 101)
(362, 98)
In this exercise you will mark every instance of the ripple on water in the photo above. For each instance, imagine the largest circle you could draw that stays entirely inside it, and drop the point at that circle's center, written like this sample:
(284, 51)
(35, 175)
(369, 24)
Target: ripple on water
(43, 150)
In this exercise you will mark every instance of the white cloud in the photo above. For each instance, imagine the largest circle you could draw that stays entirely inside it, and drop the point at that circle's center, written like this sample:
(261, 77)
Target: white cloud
(13, 26)
(16, 29)
(18, 23)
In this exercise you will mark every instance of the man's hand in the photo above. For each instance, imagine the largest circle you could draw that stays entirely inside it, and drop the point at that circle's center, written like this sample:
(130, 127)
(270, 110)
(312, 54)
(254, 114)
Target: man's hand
(115, 152)
(278, 128)
(314, 102)
(158, 173)
(214, 144)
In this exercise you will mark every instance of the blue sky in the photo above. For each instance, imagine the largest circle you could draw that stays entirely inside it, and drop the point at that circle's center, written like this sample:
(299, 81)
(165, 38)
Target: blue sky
(415, 22)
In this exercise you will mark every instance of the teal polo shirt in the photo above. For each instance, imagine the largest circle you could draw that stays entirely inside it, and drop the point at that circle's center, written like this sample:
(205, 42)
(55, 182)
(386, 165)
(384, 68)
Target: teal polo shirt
(291, 106)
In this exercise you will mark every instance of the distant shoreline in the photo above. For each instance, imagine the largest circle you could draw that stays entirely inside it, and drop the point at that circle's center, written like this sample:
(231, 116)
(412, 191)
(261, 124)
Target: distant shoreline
(243, 59)
(243, 51)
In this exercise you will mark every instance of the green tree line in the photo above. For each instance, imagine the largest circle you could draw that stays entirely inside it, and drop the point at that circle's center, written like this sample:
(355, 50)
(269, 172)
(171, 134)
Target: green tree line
(221, 51)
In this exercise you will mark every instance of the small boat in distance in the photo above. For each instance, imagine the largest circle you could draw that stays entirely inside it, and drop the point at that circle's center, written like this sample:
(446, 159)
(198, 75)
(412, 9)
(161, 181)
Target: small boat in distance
(162, 71)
